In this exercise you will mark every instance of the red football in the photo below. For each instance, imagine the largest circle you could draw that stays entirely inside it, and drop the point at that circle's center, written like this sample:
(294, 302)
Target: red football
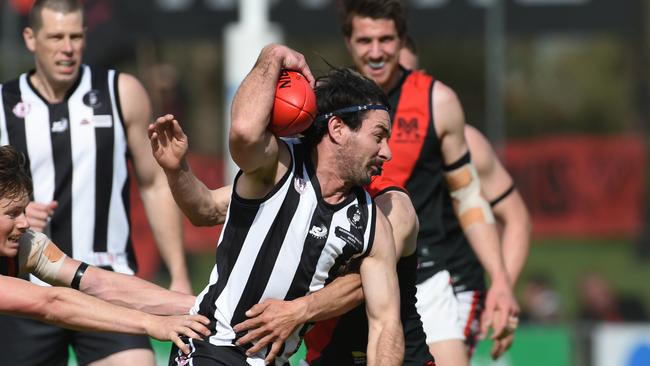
(295, 104)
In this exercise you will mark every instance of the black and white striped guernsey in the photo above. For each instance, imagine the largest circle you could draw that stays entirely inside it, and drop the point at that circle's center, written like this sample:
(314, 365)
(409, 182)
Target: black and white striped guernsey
(77, 155)
(283, 246)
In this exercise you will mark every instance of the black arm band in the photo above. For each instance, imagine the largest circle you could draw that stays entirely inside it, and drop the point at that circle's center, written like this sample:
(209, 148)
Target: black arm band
(76, 280)
(465, 159)
(503, 195)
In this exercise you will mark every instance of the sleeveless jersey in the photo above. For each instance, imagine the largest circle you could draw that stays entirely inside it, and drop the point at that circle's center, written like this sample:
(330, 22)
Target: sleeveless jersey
(283, 246)
(417, 165)
(76, 152)
(344, 340)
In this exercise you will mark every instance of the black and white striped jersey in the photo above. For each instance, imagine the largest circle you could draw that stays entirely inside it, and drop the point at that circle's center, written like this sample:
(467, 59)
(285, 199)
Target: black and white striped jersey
(283, 246)
(77, 154)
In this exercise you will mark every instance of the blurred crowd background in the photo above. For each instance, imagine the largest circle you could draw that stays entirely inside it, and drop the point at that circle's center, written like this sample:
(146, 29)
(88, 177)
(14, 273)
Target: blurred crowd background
(561, 88)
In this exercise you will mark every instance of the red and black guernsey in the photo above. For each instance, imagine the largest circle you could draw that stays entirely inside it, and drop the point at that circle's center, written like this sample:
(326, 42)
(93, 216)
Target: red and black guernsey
(417, 165)
(343, 340)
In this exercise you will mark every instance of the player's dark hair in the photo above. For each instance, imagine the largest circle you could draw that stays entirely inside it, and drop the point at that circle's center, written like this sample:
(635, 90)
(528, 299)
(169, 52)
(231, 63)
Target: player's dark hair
(14, 180)
(374, 9)
(35, 18)
(341, 88)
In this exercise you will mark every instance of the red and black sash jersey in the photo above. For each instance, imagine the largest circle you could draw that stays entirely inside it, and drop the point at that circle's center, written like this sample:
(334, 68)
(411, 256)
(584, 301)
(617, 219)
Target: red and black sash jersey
(417, 165)
(343, 340)
(9, 266)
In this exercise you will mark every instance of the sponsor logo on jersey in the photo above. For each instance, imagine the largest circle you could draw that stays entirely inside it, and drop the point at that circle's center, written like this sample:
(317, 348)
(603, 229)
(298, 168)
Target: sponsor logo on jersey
(354, 216)
(103, 121)
(318, 231)
(92, 99)
(21, 110)
(407, 130)
(60, 125)
(300, 185)
(349, 239)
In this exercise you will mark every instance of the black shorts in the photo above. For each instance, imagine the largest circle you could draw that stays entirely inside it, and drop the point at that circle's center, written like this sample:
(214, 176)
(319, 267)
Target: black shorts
(33, 343)
(206, 354)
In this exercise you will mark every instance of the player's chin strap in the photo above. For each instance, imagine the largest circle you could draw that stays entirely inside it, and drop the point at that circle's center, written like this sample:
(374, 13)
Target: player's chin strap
(353, 109)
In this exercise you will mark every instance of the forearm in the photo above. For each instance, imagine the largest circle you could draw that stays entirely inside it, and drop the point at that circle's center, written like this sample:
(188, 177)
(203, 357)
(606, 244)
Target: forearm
(514, 218)
(386, 344)
(484, 240)
(337, 298)
(72, 309)
(194, 198)
(515, 246)
(134, 293)
(166, 225)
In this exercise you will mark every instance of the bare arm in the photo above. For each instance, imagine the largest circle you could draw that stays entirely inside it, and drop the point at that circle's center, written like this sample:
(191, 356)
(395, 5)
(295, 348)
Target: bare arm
(511, 212)
(164, 217)
(73, 309)
(381, 290)
(41, 257)
(202, 206)
(477, 220)
(260, 156)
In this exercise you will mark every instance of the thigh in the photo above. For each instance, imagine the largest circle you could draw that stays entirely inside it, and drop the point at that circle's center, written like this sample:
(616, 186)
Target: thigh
(33, 343)
(94, 346)
(438, 307)
(470, 309)
(205, 354)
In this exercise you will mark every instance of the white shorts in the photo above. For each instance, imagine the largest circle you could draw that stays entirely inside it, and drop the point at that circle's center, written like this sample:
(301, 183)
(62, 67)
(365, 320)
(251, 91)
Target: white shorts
(445, 315)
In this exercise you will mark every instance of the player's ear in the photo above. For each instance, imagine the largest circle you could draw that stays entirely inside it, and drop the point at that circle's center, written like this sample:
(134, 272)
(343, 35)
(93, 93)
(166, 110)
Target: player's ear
(30, 38)
(336, 127)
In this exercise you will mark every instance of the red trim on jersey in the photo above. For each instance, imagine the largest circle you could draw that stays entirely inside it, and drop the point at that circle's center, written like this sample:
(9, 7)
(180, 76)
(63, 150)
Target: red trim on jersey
(319, 337)
(381, 183)
(411, 122)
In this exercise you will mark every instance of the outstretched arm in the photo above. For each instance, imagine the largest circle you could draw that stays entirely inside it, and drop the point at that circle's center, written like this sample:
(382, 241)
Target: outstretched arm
(72, 309)
(473, 211)
(162, 212)
(40, 256)
(202, 206)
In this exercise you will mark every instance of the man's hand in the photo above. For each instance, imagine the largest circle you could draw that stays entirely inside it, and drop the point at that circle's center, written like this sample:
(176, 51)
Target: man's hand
(168, 142)
(500, 305)
(170, 328)
(501, 345)
(271, 321)
(39, 214)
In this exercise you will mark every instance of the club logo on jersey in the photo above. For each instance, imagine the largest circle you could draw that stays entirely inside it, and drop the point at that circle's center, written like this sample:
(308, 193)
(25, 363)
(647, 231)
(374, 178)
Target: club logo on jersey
(21, 110)
(181, 360)
(318, 231)
(407, 130)
(350, 239)
(60, 125)
(91, 99)
(354, 216)
(300, 185)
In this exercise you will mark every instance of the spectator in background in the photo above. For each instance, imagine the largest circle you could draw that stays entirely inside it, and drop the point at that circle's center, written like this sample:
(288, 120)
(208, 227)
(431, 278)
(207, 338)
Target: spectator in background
(598, 301)
(540, 303)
